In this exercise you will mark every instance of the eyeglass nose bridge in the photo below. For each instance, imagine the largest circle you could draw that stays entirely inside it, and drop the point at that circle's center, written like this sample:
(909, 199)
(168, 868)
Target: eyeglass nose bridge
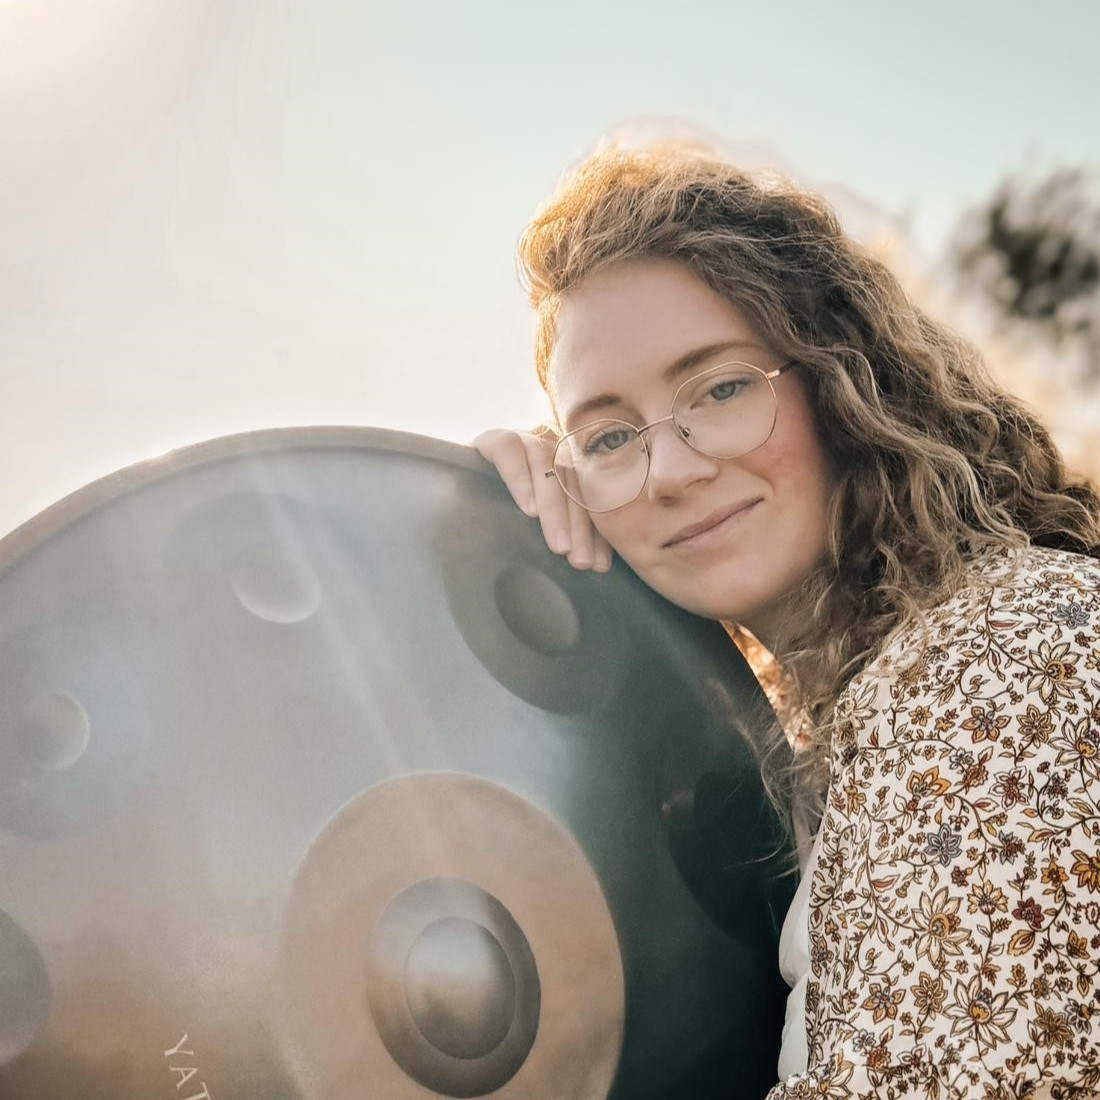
(681, 431)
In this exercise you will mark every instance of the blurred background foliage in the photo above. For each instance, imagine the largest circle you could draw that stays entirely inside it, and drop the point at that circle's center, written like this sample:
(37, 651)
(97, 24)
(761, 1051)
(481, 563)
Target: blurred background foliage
(1024, 271)
(1033, 250)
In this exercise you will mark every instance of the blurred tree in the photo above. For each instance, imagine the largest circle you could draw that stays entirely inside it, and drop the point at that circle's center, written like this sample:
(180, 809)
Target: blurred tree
(1033, 250)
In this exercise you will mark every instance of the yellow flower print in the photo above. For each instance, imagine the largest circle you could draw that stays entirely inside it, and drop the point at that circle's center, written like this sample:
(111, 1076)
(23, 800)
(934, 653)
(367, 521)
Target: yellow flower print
(1054, 875)
(1078, 946)
(1053, 672)
(984, 724)
(854, 798)
(929, 994)
(927, 784)
(857, 706)
(1087, 869)
(1036, 726)
(1054, 872)
(883, 1002)
(1078, 746)
(980, 1014)
(938, 921)
(985, 897)
(835, 1086)
(1050, 1029)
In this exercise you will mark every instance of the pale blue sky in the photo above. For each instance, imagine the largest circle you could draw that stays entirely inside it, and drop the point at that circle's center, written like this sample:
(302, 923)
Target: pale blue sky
(220, 215)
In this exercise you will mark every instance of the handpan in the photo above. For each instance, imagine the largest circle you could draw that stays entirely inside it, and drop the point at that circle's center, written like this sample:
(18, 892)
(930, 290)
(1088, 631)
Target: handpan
(322, 778)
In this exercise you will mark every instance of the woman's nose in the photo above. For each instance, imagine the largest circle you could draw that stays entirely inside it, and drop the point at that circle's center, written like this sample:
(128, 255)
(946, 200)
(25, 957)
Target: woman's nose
(673, 464)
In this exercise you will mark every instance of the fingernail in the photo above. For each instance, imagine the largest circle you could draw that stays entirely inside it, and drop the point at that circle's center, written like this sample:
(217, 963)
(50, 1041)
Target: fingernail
(603, 564)
(580, 561)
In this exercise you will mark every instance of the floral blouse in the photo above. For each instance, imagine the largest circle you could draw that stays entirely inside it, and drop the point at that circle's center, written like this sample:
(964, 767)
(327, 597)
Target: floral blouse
(955, 904)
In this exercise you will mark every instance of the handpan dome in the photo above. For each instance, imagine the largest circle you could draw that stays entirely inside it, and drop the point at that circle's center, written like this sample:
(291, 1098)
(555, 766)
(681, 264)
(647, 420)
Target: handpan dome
(321, 777)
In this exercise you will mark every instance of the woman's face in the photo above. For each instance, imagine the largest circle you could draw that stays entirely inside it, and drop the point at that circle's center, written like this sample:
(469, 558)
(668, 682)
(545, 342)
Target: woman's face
(761, 518)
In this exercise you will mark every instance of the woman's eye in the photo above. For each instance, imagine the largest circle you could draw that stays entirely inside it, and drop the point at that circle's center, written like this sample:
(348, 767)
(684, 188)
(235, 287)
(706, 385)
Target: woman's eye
(730, 387)
(607, 441)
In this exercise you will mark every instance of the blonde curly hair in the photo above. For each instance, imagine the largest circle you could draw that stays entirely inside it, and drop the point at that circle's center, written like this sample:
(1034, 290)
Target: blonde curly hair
(934, 461)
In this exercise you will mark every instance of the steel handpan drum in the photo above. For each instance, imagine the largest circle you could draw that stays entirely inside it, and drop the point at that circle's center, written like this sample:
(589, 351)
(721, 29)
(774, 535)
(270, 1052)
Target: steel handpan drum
(321, 778)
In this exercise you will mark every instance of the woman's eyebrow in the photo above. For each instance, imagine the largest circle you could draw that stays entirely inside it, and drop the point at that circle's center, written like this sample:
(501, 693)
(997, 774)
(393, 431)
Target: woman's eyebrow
(680, 365)
(708, 351)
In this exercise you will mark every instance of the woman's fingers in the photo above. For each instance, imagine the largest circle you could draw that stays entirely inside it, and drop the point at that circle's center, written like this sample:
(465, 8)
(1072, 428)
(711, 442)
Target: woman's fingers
(582, 552)
(590, 550)
(506, 451)
(522, 459)
(551, 504)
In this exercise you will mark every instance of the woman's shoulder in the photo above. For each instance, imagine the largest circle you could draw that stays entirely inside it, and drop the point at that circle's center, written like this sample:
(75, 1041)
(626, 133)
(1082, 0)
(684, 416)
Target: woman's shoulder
(1022, 633)
(1036, 568)
(1031, 590)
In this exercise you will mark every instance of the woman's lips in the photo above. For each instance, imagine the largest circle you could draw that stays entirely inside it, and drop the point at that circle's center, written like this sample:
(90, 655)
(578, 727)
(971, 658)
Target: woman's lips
(709, 529)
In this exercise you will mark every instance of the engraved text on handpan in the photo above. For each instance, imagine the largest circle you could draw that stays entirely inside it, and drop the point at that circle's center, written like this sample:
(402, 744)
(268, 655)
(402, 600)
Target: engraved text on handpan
(181, 1061)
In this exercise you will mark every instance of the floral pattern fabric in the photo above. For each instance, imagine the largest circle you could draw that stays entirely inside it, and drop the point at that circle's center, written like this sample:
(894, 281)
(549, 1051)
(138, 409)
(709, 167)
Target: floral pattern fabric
(955, 905)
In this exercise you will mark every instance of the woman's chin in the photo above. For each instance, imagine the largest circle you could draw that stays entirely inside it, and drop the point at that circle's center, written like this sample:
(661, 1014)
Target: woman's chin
(705, 601)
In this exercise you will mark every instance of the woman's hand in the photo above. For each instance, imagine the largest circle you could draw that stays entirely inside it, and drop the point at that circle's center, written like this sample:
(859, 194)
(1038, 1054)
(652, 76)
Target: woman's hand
(522, 459)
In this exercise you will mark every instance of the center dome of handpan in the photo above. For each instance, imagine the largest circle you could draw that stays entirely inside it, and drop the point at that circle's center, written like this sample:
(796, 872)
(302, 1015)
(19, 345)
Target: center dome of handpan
(460, 989)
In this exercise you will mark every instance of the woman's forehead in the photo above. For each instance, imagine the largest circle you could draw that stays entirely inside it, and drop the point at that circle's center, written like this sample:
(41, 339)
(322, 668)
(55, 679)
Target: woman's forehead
(641, 324)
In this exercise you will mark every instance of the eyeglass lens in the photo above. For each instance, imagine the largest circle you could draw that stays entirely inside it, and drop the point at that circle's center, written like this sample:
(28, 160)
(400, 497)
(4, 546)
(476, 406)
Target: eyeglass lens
(724, 413)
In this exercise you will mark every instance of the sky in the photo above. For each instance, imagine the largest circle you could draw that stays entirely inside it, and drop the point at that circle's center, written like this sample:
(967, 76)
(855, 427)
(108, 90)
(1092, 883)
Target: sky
(224, 215)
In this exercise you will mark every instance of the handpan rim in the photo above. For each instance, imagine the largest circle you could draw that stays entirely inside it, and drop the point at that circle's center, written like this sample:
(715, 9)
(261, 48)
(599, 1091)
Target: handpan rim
(81, 502)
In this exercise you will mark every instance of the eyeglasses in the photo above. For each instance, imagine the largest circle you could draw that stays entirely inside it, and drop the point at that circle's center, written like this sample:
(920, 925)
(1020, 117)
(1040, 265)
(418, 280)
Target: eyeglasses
(725, 412)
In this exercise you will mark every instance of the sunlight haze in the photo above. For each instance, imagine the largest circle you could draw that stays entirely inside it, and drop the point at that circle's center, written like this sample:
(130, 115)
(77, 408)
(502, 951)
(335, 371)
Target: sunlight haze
(222, 215)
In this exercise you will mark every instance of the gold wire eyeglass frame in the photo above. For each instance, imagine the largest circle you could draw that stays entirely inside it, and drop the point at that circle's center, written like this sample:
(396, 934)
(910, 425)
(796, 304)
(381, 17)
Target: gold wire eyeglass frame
(681, 431)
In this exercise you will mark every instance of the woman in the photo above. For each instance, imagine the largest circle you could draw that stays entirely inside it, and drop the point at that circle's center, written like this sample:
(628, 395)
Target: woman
(753, 415)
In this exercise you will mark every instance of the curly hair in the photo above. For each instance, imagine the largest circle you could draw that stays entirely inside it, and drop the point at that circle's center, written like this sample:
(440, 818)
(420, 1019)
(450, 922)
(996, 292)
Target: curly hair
(934, 461)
